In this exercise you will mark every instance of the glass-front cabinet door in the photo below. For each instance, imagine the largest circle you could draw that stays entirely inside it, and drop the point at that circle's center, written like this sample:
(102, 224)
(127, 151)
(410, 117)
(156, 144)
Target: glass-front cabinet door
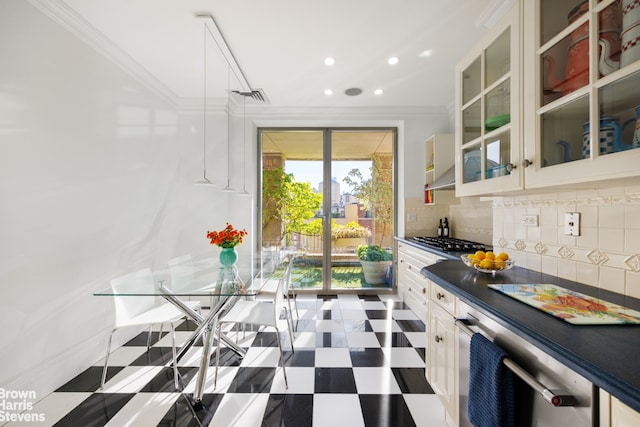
(581, 75)
(488, 112)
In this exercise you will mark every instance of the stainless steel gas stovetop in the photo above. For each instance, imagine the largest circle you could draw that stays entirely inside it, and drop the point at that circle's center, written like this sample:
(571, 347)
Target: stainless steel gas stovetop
(449, 244)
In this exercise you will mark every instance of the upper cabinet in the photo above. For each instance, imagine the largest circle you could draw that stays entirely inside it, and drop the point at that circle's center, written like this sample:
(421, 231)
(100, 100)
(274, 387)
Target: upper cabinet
(438, 165)
(582, 91)
(578, 98)
(488, 112)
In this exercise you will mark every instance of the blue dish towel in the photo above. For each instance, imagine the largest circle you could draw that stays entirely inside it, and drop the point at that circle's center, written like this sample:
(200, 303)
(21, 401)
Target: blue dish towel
(491, 389)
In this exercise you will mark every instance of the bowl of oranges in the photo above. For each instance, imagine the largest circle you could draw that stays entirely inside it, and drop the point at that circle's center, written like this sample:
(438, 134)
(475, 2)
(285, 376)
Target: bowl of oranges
(488, 262)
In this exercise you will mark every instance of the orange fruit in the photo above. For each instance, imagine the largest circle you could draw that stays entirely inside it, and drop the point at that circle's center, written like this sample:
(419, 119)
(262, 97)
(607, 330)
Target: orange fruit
(480, 255)
(502, 256)
(489, 255)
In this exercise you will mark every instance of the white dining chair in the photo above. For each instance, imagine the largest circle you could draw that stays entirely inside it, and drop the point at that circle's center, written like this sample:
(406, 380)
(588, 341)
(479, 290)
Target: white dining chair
(268, 291)
(259, 312)
(141, 310)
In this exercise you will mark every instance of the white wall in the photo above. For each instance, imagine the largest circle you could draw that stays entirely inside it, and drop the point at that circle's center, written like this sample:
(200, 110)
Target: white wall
(96, 180)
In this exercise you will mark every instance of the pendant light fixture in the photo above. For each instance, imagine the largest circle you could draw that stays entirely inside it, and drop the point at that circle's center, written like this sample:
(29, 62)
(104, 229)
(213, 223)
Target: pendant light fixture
(228, 187)
(204, 180)
(244, 191)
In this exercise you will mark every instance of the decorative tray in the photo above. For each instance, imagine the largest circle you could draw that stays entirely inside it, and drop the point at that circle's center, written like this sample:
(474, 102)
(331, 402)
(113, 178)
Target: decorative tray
(570, 306)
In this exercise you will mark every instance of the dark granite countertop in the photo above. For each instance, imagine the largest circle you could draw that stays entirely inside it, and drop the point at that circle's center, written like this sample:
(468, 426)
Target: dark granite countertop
(608, 356)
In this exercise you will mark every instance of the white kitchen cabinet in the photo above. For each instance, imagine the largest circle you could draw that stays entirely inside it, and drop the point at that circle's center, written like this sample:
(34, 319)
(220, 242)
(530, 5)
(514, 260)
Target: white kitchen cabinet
(413, 287)
(488, 110)
(439, 158)
(442, 350)
(573, 88)
(614, 413)
(572, 79)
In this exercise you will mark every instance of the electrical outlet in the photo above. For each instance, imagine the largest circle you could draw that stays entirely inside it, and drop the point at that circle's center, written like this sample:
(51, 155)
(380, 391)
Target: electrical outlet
(530, 220)
(412, 217)
(572, 223)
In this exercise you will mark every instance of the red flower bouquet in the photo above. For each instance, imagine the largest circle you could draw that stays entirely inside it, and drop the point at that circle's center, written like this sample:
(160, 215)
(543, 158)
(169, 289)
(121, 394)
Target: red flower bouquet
(229, 237)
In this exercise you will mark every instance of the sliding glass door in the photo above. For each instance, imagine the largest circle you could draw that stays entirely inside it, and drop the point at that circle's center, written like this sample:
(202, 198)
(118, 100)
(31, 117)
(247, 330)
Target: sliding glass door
(326, 192)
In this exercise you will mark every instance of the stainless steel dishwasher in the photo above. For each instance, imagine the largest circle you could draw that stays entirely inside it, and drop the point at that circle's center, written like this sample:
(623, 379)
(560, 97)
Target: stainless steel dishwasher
(549, 394)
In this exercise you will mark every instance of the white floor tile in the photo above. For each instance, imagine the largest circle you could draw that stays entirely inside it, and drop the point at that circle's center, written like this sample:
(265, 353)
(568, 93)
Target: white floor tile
(337, 410)
(226, 374)
(181, 338)
(261, 356)
(354, 314)
(330, 325)
(426, 409)
(144, 410)
(123, 356)
(240, 410)
(375, 381)
(333, 358)
(131, 379)
(305, 340)
(191, 357)
(301, 381)
(417, 339)
(384, 325)
(53, 407)
(403, 357)
(404, 315)
(362, 340)
(374, 305)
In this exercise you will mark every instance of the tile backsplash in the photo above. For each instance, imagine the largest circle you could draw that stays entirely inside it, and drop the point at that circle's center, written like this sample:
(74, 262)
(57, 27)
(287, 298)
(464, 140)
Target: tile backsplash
(606, 254)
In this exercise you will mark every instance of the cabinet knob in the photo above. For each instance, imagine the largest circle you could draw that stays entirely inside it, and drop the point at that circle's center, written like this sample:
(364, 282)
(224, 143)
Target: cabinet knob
(439, 296)
(438, 338)
(424, 290)
(511, 167)
(526, 163)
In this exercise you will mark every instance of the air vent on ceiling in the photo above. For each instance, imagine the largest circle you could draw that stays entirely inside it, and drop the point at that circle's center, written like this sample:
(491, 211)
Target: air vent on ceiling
(257, 94)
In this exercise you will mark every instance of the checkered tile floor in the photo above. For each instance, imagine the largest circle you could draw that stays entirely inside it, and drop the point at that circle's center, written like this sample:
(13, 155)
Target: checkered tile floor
(358, 361)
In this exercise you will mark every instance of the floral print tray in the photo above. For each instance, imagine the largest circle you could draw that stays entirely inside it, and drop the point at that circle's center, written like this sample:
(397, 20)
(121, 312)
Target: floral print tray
(570, 306)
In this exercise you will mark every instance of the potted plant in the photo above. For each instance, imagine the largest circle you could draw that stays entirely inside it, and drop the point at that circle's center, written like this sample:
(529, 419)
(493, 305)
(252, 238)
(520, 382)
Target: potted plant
(350, 235)
(375, 262)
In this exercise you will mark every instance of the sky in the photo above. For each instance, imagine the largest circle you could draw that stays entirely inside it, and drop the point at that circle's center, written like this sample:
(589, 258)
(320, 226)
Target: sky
(311, 171)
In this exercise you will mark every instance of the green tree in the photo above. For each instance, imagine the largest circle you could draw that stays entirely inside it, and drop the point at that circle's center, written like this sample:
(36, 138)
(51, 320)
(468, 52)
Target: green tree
(375, 193)
(287, 204)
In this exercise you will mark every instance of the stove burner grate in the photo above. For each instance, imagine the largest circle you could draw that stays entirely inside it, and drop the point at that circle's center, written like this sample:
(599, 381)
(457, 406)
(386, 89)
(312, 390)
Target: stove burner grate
(449, 244)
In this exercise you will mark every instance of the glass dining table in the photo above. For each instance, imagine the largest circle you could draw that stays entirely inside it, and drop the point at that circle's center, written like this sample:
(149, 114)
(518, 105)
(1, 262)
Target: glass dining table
(227, 288)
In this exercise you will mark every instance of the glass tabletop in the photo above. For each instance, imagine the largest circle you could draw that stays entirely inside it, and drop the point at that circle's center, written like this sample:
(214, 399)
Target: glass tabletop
(221, 281)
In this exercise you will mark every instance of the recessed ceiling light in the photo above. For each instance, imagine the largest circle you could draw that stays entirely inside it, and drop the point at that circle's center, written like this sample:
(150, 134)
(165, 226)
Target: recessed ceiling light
(393, 60)
(378, 91)
(329, 61)
(425, 53)
(328, 92)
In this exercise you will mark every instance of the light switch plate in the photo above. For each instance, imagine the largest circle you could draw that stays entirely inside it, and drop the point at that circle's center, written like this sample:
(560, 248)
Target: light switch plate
(572, 223)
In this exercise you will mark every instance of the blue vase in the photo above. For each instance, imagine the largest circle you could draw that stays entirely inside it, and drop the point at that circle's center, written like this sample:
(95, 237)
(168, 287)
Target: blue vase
(228, 256)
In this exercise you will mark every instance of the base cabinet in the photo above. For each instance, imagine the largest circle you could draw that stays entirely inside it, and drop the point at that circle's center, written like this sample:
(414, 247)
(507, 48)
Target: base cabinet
(412, 285)
(442, 350)
(614, 413)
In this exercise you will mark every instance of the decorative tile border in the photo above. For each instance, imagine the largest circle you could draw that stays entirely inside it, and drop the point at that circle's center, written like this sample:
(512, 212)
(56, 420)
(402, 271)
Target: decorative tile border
(612, 199)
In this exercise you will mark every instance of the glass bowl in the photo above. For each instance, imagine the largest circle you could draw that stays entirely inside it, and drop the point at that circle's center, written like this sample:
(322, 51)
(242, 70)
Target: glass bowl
(498, 265)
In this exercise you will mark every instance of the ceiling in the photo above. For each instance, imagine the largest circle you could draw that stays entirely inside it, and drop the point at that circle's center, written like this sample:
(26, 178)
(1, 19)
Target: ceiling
(280, 46)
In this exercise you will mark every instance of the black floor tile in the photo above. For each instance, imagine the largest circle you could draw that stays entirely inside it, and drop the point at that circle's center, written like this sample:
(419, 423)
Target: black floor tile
(367, 357)
(185, 413)
(378, 314)
(368, 297)
(142, 337)
(89, 380)
(412, 380)
(253, 380)
(156, 356)
(163, 381)
(388, 410)
(411, 325)
(393, 339)
(96, 410)
(265, 339)
(335, 380)
(295, 410)
(300, 358)
(228, 357)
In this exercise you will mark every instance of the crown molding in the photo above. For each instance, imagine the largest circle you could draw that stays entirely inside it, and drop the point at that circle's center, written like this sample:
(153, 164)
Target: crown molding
(386, 113)
(62, 14)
